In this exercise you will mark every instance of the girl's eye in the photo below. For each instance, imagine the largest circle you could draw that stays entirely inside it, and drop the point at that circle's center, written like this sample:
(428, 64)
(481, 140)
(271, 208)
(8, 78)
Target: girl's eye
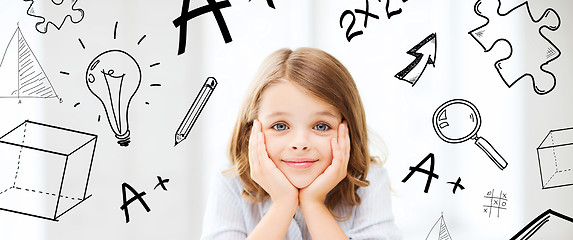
(280, 126)
(321, 127)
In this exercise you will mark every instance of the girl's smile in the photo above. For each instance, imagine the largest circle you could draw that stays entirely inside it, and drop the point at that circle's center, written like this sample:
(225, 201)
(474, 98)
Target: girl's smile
(299, 163)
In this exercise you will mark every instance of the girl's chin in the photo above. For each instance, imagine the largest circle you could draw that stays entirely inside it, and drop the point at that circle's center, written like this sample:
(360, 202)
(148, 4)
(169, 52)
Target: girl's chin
(300, 179)
(300, 183)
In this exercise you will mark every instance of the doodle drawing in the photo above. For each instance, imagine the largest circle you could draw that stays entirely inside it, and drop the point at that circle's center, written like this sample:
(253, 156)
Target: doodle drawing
(555, 155)
(186, 15)
(21, 75)
(114, 77)
(138, 196)
(44, 169)
(425, 53)
(195, 110)
(270, 3)
(55, 13)
(495, 203)
(457, 121)
(530, 49)
(439, 231)
(549, 225)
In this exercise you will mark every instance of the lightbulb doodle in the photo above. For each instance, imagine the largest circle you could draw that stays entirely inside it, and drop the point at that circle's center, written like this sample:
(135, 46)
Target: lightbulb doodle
(55, 13)
(114, 77)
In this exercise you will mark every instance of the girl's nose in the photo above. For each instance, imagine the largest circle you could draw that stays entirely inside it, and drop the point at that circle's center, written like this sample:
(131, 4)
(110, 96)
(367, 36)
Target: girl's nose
(299, 141)
(299, 146)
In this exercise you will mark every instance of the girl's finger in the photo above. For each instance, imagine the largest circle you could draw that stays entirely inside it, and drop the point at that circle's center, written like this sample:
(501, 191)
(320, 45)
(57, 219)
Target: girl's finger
(336, 152)
(262, 149)
(253, 161)
(344, 145)
(346, 141)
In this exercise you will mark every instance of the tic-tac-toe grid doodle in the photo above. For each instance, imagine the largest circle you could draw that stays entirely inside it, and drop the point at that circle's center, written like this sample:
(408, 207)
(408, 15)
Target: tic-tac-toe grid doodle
(495, 203)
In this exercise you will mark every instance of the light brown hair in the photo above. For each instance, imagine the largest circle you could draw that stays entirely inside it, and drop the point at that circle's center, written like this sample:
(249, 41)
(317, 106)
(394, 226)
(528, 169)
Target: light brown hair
(323, 76)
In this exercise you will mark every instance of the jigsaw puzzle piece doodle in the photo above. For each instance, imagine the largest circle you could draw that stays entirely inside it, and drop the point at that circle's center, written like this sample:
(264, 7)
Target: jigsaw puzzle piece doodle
(54, 12)
(530, 49)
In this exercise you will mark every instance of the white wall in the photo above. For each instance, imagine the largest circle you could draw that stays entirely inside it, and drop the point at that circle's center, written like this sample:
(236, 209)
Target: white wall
(514, 120)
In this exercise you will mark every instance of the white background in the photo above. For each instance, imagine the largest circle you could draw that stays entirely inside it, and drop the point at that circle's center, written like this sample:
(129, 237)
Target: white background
(514, 120)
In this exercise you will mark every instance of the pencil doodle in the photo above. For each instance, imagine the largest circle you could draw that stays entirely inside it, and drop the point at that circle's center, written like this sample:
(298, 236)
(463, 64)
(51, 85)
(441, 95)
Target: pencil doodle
(196, 109)
(186, 15)
(55, 13)
(535, 46)
(425, 53)
(440, 233)
(63, 156)
(548, 225)
(21, 75)
(554, 157)
(495, 203)
(457, 121)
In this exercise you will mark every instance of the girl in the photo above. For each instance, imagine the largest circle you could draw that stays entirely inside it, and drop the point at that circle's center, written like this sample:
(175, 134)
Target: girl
(300, 159)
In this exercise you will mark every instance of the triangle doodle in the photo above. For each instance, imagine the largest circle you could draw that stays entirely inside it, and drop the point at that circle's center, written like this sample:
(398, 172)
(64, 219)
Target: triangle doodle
(440, 233)
(21, 75)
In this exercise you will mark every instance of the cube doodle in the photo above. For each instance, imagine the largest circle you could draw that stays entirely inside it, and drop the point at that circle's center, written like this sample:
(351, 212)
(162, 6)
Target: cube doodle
(530, 49)
(554, 156)
(44, 169)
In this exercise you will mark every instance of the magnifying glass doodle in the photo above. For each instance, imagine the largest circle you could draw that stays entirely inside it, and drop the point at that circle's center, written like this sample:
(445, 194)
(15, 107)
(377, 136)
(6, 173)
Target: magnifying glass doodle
(457, 121)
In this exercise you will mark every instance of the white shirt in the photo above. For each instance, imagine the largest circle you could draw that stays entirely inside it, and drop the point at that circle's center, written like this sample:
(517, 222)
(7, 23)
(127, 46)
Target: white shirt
(229, 216)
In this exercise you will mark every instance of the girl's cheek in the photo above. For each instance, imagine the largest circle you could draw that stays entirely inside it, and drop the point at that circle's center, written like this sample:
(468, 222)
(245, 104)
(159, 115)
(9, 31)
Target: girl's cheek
(273, 146)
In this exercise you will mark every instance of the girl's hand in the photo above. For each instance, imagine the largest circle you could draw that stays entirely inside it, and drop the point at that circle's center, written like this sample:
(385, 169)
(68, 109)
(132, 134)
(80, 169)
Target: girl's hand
(265, 173)
(317, 190)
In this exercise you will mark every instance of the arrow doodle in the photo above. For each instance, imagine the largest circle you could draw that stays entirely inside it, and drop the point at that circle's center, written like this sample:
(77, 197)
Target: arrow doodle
(426, 48)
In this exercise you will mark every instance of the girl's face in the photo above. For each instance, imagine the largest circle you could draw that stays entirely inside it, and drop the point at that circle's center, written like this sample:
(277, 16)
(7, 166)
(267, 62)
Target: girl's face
(298, 128)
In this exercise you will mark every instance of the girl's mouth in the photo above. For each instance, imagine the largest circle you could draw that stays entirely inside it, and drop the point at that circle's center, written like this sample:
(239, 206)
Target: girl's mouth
(299, 163)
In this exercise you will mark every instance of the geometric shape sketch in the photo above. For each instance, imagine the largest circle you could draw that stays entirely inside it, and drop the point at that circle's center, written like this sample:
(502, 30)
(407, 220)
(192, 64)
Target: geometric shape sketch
(44, 170)
(21, 75)
(548, 225)
(441, 233)
(555, 156)
(530, 51)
